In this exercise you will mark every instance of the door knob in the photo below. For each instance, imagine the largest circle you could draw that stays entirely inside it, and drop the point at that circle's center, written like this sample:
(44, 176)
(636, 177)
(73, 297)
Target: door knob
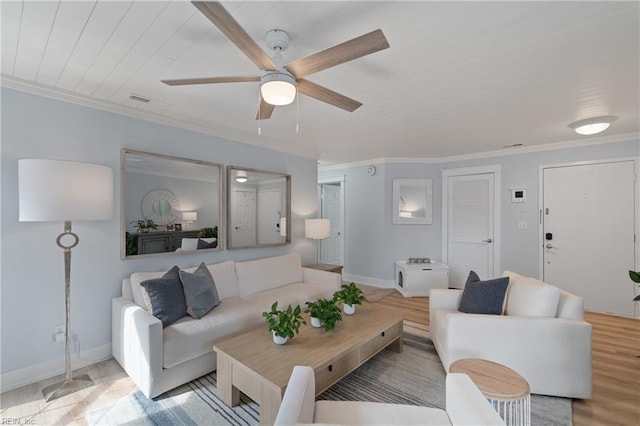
(488, 240)
(548, 246)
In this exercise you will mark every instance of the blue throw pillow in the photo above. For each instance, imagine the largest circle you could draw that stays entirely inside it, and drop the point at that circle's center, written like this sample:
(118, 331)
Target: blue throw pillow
(483, 297)
(202, 244)
(166, 297)
(200, 291)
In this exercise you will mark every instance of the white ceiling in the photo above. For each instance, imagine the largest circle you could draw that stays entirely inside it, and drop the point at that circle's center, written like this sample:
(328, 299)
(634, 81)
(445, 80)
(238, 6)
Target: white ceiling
(459, 78)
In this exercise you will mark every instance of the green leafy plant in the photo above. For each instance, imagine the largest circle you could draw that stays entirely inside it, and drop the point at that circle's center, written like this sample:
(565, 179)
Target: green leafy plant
(349, 294)
(132, 244)
(327, 311)
(285, 323)
(142, 224)
(635, 277)
(209, 232)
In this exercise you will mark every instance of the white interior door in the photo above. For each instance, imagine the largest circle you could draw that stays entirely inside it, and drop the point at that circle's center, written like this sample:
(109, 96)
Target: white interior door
(470, 232)
(588, 233)
(269, 205)
(243, 221)
(331, 248)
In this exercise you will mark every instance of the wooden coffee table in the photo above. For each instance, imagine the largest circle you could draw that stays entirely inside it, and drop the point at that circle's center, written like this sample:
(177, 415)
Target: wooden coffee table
(251, 363)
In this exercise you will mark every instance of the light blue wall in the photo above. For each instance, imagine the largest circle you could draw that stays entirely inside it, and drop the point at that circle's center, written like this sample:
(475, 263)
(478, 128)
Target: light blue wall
(373, 244)
(32, 294)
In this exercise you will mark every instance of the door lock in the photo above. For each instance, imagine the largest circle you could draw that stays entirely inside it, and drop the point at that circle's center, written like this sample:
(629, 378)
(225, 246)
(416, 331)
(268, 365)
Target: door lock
(488, 240)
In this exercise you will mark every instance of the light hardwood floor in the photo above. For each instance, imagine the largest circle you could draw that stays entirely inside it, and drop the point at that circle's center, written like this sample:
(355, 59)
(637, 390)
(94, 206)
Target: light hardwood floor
(616, 377)
(616, 369)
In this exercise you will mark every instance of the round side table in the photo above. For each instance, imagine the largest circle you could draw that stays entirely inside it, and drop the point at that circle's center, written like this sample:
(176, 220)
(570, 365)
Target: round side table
(505, 389)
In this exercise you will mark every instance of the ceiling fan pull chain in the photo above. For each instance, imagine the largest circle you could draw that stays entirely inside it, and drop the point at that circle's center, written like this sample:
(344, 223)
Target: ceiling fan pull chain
(297, 114)
(259, 111)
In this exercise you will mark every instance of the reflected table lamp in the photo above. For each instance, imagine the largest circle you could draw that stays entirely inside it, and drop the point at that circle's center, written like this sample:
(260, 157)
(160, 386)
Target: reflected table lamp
(317, 229)
(189, 218)
(52, 191)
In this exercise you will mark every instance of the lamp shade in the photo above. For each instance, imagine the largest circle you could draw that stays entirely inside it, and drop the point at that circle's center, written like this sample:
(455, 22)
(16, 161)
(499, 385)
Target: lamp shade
(317, 229)
(190, 216)
(55, 190)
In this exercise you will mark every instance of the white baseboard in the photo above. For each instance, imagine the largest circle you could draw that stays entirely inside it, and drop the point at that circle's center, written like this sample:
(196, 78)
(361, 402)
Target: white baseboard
(34, 373)
(369, 281)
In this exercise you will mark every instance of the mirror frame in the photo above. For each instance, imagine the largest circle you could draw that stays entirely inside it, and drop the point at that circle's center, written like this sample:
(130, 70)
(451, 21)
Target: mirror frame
(426, 187)
(230, 171)
(123, 207)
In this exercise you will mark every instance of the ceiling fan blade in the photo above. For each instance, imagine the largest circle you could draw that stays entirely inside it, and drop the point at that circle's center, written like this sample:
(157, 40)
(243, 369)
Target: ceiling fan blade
(222, 19)
(339, 54)
(265, 110)
(209, 80)
(328, 96)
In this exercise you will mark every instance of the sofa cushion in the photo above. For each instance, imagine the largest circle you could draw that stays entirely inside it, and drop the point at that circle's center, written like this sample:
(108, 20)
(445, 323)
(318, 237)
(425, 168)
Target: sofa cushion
(528, 297)
(483, 297)
(199, 291)
(138, 291)
(190, 338)
(292, 294)
(166, 297)
(207, 243)
(224, 275)
(264, 274)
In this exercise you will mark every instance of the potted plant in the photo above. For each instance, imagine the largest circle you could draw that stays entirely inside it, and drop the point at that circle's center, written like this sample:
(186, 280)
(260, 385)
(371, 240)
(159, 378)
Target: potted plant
(284, 324)
(143, 225)
(209, 232)
(324, 312)
(350, 295)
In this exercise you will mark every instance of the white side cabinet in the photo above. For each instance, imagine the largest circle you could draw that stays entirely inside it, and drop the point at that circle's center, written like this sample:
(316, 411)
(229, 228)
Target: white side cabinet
(417, 279)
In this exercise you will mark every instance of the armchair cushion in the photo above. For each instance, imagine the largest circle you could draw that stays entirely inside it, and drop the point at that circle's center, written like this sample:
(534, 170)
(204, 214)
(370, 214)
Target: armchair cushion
(528, 297)
(483, 297)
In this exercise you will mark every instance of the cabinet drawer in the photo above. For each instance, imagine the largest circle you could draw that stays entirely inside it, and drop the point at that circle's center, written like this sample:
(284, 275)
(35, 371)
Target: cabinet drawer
(374, 345)
(334, 370)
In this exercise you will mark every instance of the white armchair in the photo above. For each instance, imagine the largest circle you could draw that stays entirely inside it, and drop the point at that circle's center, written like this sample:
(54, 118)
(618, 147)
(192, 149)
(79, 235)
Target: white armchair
(465, 406)
(552, 352)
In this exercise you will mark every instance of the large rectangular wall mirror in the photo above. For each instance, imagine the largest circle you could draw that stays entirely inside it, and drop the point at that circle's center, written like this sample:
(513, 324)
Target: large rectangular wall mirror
(412, 201)
(169, 205)
(258, 208)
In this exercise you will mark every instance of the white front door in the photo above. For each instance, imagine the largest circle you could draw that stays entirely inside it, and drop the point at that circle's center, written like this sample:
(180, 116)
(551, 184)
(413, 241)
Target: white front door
(269, 212)
(331, 248)
(470, 217)
(243, 220)
(588, 231)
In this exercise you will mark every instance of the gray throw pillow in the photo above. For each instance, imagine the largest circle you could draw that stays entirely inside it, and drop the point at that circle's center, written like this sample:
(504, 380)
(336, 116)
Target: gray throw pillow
(166, 297)
(483, 297)
(200, 291)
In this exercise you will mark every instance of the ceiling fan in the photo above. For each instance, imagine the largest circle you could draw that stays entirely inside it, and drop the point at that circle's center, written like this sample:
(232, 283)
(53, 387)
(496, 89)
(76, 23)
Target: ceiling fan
(280, 83)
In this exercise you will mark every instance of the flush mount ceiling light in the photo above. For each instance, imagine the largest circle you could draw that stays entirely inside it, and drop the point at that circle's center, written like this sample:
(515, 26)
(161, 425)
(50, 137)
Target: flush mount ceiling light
(277, 87)
(592, 126)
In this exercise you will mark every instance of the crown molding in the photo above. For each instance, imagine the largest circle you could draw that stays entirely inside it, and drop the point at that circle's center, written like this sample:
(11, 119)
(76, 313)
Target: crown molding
(576, 143)
(77, 99)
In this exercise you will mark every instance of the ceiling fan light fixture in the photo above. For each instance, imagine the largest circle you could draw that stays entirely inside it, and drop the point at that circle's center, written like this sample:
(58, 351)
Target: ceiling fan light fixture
(592, 126)
(278, 88)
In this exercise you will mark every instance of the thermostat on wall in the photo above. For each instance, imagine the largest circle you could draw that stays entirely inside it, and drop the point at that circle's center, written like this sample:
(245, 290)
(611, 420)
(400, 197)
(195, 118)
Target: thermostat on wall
(518, 196)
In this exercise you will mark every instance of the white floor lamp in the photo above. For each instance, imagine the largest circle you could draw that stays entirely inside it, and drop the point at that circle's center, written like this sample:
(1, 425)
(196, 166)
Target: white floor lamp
(53, 190)
(317, 229)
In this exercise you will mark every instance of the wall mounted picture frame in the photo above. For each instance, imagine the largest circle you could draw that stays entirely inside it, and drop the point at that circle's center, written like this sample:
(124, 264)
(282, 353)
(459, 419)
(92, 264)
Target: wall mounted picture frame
(412, 201)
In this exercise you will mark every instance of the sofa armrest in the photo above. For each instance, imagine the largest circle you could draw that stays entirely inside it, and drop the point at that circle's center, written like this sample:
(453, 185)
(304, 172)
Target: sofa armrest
(326, 278)
(466, 405)
(298, 403)
(443, 299)
(137, 342)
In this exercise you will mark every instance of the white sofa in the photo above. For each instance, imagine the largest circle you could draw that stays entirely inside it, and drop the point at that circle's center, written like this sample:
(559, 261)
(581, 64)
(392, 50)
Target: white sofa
(465, 405)
(541, 335)
(160, 359)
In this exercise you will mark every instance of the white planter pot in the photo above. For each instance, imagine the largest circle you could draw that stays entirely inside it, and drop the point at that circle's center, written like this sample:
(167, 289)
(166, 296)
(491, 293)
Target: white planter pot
(349, 309)
(315, 322)
(279, 340)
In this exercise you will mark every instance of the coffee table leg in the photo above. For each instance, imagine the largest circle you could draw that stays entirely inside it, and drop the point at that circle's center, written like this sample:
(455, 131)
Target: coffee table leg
(269, 405)
(226, 391)
(397, 345)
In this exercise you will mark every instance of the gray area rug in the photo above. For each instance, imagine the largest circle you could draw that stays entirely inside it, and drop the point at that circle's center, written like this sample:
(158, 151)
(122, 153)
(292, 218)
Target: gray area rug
(414, 377)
